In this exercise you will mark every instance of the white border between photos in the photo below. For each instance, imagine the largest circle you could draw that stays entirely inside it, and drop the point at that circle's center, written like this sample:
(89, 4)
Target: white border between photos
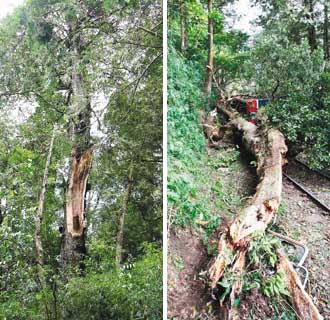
(164, 159)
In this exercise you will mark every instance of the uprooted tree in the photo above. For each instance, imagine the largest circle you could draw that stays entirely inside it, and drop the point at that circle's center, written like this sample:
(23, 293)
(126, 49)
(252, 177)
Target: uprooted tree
(268, 147)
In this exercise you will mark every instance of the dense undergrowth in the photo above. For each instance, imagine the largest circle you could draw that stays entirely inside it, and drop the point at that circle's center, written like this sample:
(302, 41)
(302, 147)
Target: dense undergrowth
(133, 292)
(196, 195)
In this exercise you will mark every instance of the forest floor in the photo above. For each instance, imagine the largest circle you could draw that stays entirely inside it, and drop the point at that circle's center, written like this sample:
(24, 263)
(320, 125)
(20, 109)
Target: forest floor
(299, 218)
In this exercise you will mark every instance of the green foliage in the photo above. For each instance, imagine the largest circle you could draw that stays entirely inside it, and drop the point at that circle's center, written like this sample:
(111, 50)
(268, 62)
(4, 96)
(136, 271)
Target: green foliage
(283, 67)
(185, 141)
(196, 192)
(263, 249)
(133, 293)
(275, 285)
(230, 49)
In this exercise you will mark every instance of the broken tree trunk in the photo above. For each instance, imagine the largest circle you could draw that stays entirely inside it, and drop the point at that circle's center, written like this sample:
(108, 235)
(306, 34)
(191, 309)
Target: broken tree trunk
(73, 243)
(73, 247)
(269, 149)
(120, 234)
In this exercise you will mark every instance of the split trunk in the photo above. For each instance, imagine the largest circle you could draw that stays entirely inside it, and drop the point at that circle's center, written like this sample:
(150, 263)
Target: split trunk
(73, 244)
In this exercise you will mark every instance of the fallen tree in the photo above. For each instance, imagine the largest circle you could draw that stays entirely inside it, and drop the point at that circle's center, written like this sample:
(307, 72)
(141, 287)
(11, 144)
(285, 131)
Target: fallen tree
(268, 147)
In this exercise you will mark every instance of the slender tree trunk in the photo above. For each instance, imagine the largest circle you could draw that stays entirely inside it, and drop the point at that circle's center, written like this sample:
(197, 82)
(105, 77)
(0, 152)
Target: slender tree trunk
(184, 37)
(209, 66)
(311, 30)
(1, 213)
(39, 219)
(326, 47)
(120, 234)
(73, 244)
(40, 211)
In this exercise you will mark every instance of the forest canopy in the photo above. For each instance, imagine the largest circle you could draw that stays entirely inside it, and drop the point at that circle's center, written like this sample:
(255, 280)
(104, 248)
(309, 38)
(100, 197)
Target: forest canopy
(81, 160)
(286, 61)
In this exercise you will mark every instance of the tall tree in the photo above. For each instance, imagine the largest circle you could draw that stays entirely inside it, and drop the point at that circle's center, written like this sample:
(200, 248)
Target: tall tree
(326, 44)
(311, 29)
(210, 53)
(183, 25)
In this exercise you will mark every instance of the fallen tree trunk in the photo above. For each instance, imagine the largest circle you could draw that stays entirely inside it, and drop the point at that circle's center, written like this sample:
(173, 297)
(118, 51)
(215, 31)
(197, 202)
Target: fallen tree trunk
(268, 147)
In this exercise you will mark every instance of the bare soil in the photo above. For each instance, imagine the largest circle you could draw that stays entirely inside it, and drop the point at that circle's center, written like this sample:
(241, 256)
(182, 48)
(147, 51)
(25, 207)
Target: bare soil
(187, 293)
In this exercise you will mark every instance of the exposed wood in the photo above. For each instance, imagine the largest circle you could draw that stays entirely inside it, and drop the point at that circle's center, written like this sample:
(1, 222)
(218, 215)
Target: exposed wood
(268, 147)
(214, 134)
(303, 305)
(73, 247)
(75, 205)
(73, 243)
(120, 234)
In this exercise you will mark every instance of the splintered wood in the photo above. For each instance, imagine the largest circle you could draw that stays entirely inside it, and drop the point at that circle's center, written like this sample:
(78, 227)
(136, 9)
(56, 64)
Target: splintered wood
(268, 147)
(76, 193)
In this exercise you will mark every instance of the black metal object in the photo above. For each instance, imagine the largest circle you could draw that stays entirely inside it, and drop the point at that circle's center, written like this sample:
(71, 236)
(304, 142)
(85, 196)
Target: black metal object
(317, 171)
(302, 188)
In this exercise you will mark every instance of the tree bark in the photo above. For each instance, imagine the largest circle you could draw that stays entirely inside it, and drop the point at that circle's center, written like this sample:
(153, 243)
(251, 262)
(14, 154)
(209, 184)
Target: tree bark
(269, 148)
(40, 211)
(326, 46)
(73, 244)
(209, 65)
(184, 37)
(311, 30)
(120, 234)
(39, 219)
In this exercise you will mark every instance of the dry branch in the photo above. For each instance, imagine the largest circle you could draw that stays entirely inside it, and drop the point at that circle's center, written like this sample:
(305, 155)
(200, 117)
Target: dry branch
(268, 147)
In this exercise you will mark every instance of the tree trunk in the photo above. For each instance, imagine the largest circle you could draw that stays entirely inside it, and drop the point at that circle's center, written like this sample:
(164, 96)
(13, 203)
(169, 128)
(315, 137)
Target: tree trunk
(269, 149)
(209, 66)
(184, 37)
(311, 30)
(73, 244)
(38, 222)
(40, 212)
(326, 46)
(120, 234)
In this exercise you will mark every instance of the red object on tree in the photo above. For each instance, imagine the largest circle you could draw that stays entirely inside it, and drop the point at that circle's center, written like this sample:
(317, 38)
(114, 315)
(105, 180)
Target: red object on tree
(251, 109)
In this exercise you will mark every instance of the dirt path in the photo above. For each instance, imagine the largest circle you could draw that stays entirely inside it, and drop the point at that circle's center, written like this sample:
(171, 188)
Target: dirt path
(187, 292)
